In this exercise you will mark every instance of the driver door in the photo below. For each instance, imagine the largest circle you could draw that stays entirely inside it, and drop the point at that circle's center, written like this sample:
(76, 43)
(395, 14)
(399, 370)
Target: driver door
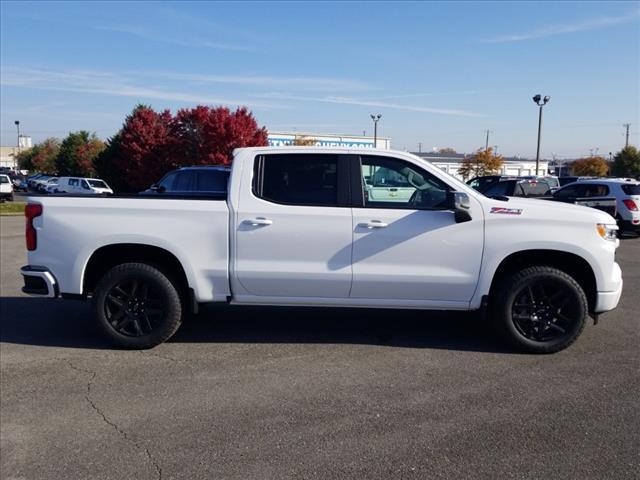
(410, 247)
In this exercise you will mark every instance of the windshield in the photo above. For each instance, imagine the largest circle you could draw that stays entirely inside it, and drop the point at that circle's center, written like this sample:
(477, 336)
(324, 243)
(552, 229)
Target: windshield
(97, 184)
(4, 179)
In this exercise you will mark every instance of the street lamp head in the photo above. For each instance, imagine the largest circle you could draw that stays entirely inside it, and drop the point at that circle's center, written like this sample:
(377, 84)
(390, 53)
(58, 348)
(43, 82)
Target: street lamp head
(546, 99)
(17, 122)
(537, 98)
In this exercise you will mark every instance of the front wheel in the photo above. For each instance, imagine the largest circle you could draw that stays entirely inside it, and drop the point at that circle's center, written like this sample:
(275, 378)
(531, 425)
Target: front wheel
(540, 310)
(137, 306)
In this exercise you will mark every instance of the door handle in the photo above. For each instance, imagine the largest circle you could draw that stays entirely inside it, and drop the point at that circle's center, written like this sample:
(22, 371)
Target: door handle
(373, 224)
(258, 221)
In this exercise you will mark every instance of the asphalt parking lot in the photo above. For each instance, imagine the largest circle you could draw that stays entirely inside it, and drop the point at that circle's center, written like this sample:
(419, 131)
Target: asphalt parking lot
(244, 393)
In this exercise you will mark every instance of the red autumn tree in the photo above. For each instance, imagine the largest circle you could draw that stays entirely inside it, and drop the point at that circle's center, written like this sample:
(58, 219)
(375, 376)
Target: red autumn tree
(205, 135)
(150, 144)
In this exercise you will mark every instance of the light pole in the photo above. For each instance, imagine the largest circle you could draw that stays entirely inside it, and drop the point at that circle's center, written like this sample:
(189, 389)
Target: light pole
(541, 102)
(376, 119)
(17, 122)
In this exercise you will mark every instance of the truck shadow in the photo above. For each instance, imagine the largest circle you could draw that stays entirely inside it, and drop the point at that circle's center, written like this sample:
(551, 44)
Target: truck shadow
(69, 324)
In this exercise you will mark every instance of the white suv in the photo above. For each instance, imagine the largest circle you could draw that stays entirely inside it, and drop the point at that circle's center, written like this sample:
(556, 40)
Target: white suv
(626, 192)
(6, 188)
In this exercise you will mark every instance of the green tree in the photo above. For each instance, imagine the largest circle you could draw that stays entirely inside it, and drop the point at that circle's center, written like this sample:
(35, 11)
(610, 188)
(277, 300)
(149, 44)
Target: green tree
(626, 163)
(590, 167)
(77, 153)
(483, 162)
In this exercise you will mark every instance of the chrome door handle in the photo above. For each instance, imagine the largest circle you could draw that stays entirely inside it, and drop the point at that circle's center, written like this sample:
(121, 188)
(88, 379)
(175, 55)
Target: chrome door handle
(374, 224)
(258, 221)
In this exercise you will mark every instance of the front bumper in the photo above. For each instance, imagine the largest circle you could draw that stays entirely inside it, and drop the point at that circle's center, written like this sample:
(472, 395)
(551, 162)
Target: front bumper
(39, 281)
(606, 301)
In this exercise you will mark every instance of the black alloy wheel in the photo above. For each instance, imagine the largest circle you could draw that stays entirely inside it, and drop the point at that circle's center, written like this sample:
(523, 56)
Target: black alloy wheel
(137, 305)
(539, 309)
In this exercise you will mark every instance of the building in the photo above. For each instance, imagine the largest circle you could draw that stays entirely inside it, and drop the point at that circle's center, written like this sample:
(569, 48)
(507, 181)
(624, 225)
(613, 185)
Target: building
(280, 139)
(8, 154)
(450, 163)
(8, 157)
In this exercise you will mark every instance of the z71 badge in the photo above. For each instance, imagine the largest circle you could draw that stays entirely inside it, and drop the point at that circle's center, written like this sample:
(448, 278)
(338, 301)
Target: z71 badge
(506, 211)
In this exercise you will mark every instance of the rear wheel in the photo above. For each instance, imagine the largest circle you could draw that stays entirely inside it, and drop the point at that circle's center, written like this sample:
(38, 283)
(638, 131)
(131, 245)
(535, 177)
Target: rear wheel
(540, 310)
(137, 306)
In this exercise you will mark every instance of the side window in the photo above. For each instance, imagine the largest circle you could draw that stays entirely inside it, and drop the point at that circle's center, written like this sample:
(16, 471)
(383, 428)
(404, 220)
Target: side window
(568, 192)
(592, 190)
(167, 182)
(500, 189)
(395, 183)
(184, 182)
(298, 179)
(212, 181)
(73, 182)
(85, 185)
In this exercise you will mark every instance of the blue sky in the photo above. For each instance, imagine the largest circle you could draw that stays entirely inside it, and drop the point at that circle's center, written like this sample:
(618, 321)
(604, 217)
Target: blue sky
(439, 73)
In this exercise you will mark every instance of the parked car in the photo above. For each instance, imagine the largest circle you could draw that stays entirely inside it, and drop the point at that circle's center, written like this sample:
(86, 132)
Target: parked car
(626, 193)
(6, 188)
(517, 188)
(83, 186)
(40, 182)
(50, 186)
(192, 181)
(19, 183)
(297, 229)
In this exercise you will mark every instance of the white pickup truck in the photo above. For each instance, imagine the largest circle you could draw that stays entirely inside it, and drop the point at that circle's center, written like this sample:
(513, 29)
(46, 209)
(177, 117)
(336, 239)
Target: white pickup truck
(298, 227)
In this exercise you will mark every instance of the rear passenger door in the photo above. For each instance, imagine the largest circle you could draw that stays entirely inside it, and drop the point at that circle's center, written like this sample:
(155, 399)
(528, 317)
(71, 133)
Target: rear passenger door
(294, 229)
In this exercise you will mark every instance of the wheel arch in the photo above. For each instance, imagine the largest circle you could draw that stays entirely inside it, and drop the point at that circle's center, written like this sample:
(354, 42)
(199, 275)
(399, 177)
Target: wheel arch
(570, 263)
(108, 256)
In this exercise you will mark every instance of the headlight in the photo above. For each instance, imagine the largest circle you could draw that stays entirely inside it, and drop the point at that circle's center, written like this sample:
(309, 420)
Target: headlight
(606, 231)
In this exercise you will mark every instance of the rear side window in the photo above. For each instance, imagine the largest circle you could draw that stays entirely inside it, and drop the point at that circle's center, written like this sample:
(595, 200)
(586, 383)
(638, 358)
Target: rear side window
(500, 189)
(298, 179)
(185, 182)
(570, 191)
(4, 179)
(212, 181)
(73, 182)
(631, 189)
(595, 190)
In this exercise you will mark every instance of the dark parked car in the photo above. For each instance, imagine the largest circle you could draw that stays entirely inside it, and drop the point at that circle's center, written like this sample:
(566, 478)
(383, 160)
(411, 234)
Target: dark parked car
(192, 181)
(518, 188)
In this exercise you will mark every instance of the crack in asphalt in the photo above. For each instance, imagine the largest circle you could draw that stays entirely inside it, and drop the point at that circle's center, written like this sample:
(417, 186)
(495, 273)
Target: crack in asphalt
(112, 424)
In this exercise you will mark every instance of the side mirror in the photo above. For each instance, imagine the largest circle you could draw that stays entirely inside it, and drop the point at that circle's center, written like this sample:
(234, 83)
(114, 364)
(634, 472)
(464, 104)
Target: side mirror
(460, 204)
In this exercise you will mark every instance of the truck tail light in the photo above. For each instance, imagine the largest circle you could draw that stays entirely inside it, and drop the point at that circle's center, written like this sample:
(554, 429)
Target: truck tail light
(630, 204)
(31, 211)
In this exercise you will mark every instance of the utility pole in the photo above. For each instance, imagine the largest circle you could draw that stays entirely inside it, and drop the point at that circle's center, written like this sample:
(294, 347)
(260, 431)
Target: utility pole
(486, 143)
(495, 150)
(626, 125)
(419, 147)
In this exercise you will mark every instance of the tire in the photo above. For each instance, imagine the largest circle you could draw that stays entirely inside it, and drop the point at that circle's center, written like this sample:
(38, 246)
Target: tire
(540, 310)
(137, 306)
(10, 198)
